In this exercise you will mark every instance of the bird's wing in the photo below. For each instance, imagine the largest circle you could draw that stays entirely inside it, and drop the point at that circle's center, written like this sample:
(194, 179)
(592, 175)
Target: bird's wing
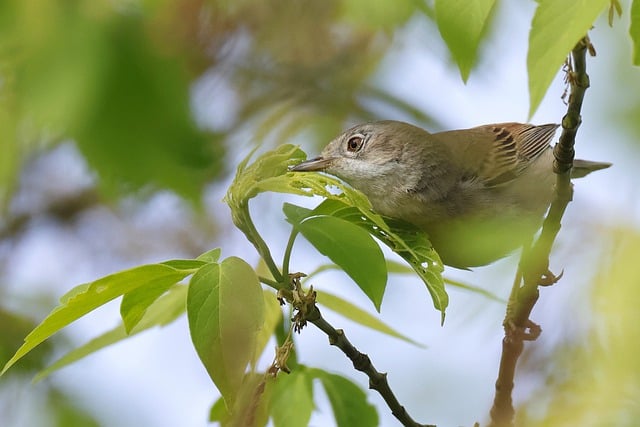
(503, 151)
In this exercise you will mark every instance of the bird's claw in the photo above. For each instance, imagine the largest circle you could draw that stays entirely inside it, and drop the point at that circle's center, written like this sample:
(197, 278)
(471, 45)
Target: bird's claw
(548, 278)
(529, 332)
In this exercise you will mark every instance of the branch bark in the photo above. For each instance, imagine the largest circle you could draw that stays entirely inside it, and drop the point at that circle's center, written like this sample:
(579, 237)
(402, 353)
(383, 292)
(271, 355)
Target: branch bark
(362, 362)
(533, 270)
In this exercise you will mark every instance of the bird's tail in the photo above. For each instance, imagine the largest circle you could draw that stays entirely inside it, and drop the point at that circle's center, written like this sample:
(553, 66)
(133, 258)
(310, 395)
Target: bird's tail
(583, 168)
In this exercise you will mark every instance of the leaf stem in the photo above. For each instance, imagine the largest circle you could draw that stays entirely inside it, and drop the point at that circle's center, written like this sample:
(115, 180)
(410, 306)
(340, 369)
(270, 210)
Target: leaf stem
(362, 362)
(254, 237)
(287, 252)
(269, 282)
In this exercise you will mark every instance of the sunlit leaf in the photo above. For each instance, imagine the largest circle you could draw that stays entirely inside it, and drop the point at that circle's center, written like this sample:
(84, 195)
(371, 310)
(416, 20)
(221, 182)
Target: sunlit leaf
(556, 28)
(358, 315)
(249, 180)
(85, 298)
(462, 23)
(270, 173)
(212, 255)
(405, 240)
(250, 408)
(225, 308)
(135, 303)
(98, 76)
(634, 30)
(219, 412)
(291, 403)
(348, 401)
(162, 312)
(387, 14)
(350, 247)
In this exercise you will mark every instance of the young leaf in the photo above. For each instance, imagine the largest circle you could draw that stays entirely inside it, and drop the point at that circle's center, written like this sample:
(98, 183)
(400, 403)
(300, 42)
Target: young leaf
(219, 412)
(462, 24)
(353, 249)
(185, 264)
(405, 240)
(296, 214)
(556, 28)
(135, 303)
(348, 401)
(212, 255)
(162, 312)
(634, 30)
(269, 173)
(291, 403)
(225, 308)
(268, 167)
(251, 406)
(85, 298)
(360, 316)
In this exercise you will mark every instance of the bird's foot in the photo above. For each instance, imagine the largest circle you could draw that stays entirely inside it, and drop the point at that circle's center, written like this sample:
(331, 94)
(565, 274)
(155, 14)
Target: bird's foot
(548, 278)
(529, 332)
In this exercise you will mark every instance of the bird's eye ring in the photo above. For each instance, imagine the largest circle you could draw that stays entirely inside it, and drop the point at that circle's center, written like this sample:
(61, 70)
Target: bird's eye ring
(355, 143)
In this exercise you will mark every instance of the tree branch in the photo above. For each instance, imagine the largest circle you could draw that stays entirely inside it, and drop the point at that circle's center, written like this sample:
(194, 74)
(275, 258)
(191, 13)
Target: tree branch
(362, 362)
(533, 270)
(306, 310)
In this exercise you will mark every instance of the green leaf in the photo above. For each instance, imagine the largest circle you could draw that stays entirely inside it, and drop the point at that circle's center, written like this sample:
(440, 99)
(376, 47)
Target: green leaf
(225, 308)
(634, 30)
(291, 403)
(162, 312)
(296, 214)
(219, 413)
(360, 316)
(85, 298)
(407, 241)
(475, 289)
(353, 249)
(398, 268)
(129, 140)
(269, 167)
(385, 14)
(348, 401)
(212, 255)
(185, 264)
(462, 23)
(269, 173)
(135, 303)
(251, 406)
(556, 28)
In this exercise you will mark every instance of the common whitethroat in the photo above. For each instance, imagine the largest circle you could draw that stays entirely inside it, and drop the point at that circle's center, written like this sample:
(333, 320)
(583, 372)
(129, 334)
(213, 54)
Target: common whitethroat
(479, 193)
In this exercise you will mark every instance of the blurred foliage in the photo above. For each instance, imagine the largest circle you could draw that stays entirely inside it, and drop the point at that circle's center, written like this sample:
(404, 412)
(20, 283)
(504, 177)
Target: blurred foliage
(107, 79)
(13, 328)
(597, 381)
(462, 24)
(116, 77)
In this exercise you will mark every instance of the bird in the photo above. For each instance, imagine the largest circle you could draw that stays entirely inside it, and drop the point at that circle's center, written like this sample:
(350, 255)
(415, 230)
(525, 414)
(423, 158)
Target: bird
(478, 193)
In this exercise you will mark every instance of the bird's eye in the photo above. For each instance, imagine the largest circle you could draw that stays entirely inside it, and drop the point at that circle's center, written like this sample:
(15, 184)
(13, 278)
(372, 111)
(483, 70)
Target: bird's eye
(355, 143)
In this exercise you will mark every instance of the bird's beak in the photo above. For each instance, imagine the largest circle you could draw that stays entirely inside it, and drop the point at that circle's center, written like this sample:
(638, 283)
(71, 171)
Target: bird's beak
(316, 164)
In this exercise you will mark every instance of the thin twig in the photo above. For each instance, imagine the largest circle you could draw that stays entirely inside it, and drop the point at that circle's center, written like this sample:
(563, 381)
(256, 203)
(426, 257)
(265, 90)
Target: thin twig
(362, 362)
(306, 310)
(533, 270)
